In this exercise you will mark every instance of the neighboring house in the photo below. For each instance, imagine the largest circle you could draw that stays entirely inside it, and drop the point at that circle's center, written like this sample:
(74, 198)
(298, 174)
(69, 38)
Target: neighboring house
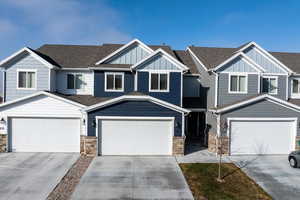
(110, 99)
(253, 98)
(138, 99)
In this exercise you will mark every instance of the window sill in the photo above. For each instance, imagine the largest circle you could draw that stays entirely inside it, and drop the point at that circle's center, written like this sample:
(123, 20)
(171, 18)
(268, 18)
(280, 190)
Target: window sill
(26, 89)
(113, 90)
(159, 91)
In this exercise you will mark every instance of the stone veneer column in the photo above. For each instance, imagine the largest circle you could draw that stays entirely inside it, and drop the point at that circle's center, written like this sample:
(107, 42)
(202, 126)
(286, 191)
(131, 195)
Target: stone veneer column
(178, 146)
(215, 142)
(88, 145)
(297, 142)
(3, 143)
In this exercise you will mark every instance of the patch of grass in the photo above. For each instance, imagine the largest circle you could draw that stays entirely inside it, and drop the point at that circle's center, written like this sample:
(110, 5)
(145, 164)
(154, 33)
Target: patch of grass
(201, 178)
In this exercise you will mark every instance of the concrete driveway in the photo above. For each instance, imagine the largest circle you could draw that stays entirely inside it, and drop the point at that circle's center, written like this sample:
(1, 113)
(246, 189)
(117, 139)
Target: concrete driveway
(274, 174)
(32, 175)
(111, 177)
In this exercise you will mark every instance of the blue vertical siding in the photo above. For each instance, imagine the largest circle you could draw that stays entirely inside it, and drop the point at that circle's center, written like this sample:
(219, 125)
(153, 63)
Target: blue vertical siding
(260, 59)
(237, 65)
(158, 62)
(131, 55)
(135, 108)
(99, 85)
(174, 94)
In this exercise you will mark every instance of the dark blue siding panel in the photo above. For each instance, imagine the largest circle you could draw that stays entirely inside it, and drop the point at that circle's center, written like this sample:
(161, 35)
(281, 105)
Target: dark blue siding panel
(135, 108)
(174, 94)
(99, 85)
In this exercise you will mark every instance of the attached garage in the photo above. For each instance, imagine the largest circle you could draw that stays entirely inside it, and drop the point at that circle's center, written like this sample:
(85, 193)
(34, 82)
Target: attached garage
(135, 136)
(262, 136)
(261, 125)
(43, 122)
(44, 134)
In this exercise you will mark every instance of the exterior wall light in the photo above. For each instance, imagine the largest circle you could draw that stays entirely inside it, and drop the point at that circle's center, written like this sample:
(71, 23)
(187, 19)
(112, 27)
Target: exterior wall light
(2, 121)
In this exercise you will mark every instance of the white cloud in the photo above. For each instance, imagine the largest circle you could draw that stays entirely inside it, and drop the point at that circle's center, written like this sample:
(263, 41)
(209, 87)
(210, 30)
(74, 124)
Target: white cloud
(68, 21)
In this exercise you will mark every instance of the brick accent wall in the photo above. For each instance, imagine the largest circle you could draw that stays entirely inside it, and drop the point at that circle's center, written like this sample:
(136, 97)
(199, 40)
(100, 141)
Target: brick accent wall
(88, 145)
(214, 143)
(3, 143)
(297, 142)
(178, 146)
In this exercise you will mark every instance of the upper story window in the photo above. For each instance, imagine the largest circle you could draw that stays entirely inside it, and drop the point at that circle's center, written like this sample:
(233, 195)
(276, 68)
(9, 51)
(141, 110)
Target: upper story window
(237, 83)
(159, 82)
(26, 79)
(295, 88)
(75, 81)
(114, 82)
(269, 84)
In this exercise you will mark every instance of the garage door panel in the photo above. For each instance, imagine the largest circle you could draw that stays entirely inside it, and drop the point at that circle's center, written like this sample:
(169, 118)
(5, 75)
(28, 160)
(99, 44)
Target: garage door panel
(261, 137)
(136, 137)
(45, 134)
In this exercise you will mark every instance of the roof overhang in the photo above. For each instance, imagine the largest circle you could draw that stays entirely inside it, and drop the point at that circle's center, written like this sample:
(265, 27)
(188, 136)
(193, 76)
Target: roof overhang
(136, 98)
(166, 55)
(245, 58)
(32, 53)
(135, 41)
(41, 93)
(253, 100)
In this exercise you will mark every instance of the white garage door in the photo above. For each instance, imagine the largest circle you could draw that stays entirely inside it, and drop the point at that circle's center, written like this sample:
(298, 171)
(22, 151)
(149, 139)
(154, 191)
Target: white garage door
(262, 137)
(136, 137)
(45, 135)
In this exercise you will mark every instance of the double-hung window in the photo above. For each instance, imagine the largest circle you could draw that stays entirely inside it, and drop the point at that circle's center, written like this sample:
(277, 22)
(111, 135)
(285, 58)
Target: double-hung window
(296, 88)
(114, 82)
(237, 83)
(159, 82)
(75, 81)
(269, 84)
(26, 79)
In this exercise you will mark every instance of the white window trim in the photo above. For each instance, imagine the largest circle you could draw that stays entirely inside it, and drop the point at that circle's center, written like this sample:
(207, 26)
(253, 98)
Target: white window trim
(113, 73)
(74, 89)
(229, 83)
(295, 95)
(159, 72)
(26, 70)
(269, 77)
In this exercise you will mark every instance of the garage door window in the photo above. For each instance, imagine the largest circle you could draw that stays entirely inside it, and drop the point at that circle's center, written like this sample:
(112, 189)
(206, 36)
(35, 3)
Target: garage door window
(26, 79)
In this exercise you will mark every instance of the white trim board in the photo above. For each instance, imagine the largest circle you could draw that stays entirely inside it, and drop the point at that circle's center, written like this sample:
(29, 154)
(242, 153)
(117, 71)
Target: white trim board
(42, 93)
(165, 55)
(245, 58)
(267, 55)
(136, 98)
(144, 46)
(114, 75)
(258, 98)
(32, 53)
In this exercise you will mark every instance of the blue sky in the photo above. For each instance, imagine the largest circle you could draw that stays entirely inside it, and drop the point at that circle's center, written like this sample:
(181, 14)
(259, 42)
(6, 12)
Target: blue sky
(272, 24)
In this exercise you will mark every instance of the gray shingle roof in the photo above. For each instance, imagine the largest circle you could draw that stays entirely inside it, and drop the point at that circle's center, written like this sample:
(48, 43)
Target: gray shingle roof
(185, 58)
(213, 56)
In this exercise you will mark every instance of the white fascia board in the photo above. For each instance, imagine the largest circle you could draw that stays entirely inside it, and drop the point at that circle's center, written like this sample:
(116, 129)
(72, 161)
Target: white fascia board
(243, 56)
(164, 53)
(265, 96)
(285, 68)
(42, 93)
(144, 46)
(32, 53)
(75, 69)
(136, 98)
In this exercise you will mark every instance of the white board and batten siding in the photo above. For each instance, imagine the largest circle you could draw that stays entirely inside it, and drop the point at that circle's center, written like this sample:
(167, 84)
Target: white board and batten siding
(88, 79)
